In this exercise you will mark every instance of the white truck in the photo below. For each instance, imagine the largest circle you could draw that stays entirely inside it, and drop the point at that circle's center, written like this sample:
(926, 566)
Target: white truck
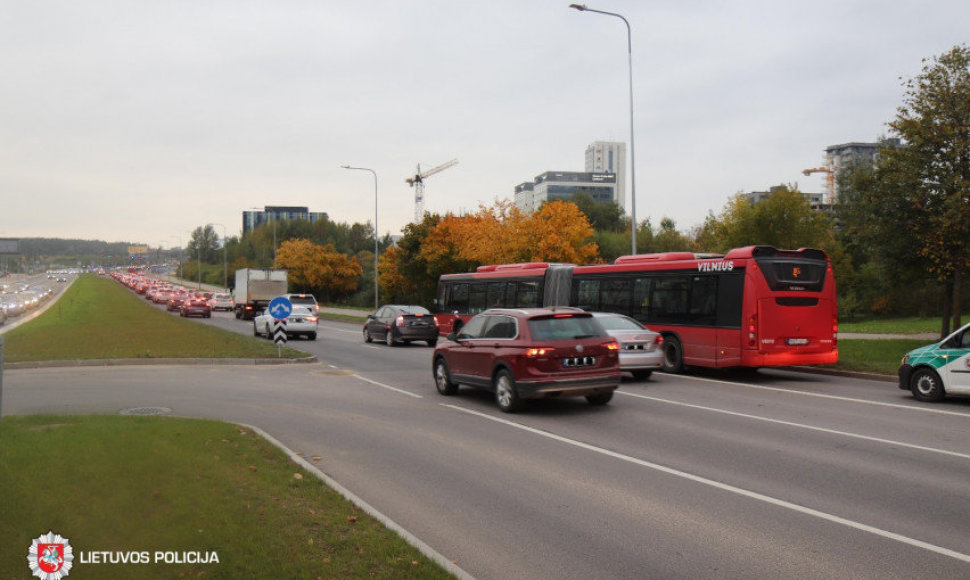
(255, 288)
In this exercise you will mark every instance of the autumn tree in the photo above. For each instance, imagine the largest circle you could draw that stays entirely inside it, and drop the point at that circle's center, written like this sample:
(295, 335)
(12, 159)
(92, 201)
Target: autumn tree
(319, 269)
(934, 122)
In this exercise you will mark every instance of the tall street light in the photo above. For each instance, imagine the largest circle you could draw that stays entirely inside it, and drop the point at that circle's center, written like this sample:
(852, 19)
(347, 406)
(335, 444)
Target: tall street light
(225, 258)
(633, 173)
(375, 226)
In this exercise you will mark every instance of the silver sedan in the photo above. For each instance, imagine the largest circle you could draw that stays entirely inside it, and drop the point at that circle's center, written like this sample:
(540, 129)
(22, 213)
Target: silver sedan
(641, 350)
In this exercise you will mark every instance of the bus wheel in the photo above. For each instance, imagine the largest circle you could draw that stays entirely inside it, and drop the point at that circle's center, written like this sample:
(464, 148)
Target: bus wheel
(673, 355)
(926, 385)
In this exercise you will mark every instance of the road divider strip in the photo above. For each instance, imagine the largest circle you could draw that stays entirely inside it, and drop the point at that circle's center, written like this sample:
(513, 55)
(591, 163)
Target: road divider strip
(726, 487)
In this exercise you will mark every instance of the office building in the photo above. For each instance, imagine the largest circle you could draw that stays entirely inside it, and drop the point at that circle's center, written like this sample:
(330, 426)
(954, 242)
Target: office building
(254, 218)
(563, 185)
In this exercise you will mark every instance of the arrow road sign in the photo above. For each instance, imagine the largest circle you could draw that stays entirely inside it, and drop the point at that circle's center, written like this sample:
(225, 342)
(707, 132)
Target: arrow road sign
(280, 307)
(279, 331)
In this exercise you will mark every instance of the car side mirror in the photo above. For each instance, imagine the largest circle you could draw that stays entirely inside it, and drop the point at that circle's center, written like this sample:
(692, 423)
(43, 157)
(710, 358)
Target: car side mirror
(452, 337)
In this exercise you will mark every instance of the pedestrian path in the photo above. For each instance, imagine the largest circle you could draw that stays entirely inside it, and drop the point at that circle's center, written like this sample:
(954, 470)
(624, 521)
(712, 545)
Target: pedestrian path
(927, 336)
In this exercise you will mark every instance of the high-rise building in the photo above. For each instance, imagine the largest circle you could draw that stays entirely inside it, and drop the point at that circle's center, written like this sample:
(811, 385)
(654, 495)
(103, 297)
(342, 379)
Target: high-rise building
(839, 156)
(254, 218)
(609, 157)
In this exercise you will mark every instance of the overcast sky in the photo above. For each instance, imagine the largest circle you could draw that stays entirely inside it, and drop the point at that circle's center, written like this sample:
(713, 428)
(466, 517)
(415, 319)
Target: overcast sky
(138, 121)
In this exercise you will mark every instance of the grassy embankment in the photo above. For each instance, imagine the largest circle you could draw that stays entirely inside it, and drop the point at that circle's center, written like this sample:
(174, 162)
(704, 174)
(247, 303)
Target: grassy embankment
(99, 318)
(112, 483)
(147, 484)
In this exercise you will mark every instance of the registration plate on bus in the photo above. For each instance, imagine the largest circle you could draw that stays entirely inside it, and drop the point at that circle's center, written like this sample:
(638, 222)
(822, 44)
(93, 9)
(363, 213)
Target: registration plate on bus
(796, 341)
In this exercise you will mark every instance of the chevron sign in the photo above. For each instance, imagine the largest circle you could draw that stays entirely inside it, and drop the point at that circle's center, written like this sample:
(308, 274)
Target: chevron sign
(279, 331)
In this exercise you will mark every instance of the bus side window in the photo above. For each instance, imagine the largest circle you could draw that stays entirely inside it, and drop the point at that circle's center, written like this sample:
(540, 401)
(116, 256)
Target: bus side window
(458, 298)
(476, 297)
(616, 296)
(496, 295)
(587, 294)
(528, 296)
(703, 300)
(640, 308)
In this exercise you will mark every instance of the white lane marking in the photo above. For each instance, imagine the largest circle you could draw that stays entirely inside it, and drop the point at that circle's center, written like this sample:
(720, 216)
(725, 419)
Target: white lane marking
(388, 387)
(798, 425)
(337, 329)
(729, 488)
(822, 396)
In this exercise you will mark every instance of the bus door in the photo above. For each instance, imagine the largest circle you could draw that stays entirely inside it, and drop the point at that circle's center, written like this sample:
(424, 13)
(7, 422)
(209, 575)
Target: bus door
(702, 318)
(730, 289)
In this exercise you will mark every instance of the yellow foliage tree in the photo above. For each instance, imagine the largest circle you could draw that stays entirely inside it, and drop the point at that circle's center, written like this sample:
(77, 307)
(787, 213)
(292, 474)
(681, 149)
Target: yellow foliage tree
(321, 269)
(501, 234)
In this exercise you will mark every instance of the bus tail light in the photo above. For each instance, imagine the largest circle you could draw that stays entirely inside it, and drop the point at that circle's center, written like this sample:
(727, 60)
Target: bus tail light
(753, 330)
(835, 331)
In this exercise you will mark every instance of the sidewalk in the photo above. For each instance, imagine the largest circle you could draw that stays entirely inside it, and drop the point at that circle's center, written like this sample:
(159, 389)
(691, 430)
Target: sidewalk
(927, 336)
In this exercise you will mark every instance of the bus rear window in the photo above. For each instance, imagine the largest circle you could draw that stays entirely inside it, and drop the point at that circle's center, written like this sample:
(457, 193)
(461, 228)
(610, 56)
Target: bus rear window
(788, 274)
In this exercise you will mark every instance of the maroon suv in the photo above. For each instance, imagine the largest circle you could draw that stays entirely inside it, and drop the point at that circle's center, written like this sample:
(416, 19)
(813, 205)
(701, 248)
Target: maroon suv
(530, 353)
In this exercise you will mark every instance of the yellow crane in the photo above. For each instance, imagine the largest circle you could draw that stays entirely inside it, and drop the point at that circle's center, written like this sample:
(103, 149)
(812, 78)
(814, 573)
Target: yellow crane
(829, 182)
(417, 182)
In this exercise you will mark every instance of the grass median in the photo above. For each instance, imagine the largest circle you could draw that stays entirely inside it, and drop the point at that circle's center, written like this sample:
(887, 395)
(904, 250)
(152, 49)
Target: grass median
(131, 484)
(98, 318)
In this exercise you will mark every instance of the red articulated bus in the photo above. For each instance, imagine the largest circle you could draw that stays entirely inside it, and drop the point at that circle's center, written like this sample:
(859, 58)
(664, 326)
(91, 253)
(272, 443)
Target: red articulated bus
(756, 306)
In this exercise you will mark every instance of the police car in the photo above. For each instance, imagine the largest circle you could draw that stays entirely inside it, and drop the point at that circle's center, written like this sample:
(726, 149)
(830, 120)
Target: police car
(940, 369)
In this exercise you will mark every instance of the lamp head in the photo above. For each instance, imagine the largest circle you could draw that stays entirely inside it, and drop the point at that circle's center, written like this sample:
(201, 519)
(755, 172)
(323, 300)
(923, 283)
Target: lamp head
(579, 7)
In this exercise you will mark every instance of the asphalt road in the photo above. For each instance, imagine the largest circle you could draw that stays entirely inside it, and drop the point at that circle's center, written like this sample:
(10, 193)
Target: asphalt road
(709, 475)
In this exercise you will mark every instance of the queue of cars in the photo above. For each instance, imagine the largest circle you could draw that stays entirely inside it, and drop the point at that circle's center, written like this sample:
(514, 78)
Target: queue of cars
(17, 298)
(518, 354)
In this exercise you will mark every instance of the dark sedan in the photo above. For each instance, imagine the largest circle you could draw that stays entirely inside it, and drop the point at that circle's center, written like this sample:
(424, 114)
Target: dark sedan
(401, 323)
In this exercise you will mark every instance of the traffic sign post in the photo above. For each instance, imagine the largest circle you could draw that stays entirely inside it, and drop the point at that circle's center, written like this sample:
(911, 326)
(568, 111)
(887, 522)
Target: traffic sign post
(280, 309)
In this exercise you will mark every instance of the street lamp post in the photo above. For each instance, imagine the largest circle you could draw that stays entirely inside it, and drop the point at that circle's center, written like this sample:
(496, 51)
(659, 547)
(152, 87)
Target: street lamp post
(375, 227)
(633, 173)
(225, 258)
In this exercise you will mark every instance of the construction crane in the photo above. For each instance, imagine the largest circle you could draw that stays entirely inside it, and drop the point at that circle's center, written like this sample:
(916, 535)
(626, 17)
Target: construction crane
(417, 182)
(829, 182)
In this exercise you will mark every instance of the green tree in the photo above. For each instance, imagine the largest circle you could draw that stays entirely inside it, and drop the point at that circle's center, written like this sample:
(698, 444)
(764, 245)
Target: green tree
(204, 244)
(934, 122)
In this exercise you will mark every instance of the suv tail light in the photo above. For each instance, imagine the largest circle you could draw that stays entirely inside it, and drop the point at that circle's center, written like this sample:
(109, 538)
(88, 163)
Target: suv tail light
(613, 345)
(538, 351)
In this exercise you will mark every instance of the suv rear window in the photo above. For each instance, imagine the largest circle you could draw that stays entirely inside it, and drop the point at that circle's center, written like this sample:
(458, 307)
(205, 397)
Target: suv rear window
(564, 328)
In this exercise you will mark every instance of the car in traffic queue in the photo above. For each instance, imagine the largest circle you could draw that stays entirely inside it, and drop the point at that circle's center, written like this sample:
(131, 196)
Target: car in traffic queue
(943, 368)
(175, 301)
(401, 323)
(301, 322)
(195, 306)
(531, 353)
(222, 301)
(305, 300)
(641, 349)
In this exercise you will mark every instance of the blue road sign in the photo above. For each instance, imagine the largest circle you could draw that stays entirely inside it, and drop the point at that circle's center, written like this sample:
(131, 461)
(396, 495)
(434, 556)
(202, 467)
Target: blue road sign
(280, 308)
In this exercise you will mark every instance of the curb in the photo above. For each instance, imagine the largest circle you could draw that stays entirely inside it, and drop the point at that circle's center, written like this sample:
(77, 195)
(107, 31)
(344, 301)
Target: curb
(120, 362)
(408, 537)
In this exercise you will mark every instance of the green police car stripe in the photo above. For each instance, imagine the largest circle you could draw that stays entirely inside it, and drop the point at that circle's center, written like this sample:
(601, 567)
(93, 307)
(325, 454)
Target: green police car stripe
(934, 356)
